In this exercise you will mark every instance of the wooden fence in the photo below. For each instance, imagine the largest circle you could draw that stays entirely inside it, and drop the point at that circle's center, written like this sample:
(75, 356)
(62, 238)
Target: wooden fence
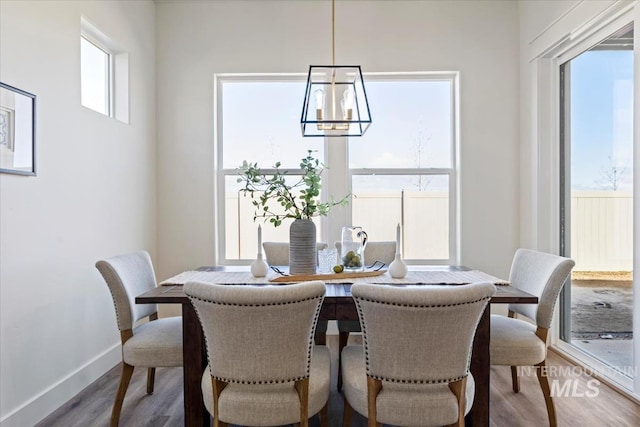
(601, 235)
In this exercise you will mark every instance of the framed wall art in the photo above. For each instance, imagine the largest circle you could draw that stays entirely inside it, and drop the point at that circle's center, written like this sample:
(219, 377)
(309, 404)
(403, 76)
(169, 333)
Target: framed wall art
(17, 131)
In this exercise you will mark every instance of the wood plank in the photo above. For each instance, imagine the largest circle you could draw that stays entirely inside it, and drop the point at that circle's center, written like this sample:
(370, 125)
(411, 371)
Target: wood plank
(327, 276)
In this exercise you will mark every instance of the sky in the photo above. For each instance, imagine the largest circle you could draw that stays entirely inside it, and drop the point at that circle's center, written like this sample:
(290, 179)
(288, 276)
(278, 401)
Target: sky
(412, 126)
(601, 129)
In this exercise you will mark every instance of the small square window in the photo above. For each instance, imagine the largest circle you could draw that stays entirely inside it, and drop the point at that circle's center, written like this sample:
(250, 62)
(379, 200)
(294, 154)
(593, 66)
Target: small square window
(95, 77)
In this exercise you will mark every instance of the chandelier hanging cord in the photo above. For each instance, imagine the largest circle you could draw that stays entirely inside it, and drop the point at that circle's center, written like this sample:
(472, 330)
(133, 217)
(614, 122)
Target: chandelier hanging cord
(349, 116)
(333, 31)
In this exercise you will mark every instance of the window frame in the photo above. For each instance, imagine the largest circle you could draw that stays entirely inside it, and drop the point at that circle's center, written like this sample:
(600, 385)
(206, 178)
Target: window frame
(451, 172)
(118, 70)
(334, 149)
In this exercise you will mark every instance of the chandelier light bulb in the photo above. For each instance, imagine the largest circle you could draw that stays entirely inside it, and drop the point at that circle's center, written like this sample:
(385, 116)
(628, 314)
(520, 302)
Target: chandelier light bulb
(347, 104)
(319, 94)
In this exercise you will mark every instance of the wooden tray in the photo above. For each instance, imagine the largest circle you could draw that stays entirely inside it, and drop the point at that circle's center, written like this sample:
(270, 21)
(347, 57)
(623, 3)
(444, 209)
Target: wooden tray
(327, 276)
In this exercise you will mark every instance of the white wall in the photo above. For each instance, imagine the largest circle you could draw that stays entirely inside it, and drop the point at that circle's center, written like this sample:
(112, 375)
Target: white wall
(93, 197)
(197, 39)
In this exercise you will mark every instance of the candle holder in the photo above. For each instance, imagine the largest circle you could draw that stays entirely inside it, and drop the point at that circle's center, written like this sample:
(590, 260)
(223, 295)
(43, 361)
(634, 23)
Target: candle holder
(259, 267)
(398, 268)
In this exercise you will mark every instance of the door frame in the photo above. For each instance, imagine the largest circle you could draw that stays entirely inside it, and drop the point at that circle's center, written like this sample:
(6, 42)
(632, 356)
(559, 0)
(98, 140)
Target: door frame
(550, 185)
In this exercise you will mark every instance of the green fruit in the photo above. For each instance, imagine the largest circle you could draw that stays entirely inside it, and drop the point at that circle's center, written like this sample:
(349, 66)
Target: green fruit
(338, 269)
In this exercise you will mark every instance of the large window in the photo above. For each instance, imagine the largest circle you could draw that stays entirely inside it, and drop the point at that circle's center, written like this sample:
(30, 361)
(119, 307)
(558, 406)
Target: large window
(597, 127)
(401, 171)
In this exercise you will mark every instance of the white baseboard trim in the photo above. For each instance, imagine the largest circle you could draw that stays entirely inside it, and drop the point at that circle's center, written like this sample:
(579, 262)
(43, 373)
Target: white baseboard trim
(44, 403)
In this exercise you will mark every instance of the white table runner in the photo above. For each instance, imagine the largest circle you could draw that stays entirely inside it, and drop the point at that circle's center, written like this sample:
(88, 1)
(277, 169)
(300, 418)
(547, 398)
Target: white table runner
(412, 277)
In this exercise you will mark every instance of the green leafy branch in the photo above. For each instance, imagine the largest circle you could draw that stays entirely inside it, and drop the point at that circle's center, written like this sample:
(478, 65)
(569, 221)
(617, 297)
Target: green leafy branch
(300, 200)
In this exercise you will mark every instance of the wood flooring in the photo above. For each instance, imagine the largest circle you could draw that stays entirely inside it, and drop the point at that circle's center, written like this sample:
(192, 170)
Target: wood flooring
(92, 406)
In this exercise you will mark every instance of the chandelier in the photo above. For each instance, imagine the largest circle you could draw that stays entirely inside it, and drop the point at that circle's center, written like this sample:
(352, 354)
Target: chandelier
(335, 101)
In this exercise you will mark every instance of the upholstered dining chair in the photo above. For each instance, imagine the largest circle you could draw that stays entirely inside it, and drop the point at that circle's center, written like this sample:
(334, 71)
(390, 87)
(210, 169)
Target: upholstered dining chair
(373, 251)
(277, 253)
(157, 343)
(413, 368)
(263, 367)
(515, 342)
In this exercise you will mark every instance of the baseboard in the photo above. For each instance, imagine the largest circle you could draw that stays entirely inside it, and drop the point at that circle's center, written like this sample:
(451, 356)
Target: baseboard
(50, 399)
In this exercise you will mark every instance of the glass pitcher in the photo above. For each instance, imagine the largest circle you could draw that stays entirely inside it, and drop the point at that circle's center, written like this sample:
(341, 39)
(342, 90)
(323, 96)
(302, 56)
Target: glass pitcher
(354, 240)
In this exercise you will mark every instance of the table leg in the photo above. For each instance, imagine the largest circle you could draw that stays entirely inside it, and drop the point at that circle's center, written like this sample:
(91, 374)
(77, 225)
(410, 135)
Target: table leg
(195, 360)
(481, 369)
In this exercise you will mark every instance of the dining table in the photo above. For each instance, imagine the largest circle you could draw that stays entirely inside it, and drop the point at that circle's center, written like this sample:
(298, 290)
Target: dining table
(338, 304)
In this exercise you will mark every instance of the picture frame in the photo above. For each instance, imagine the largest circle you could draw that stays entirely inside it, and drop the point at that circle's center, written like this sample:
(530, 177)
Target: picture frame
(17, 131)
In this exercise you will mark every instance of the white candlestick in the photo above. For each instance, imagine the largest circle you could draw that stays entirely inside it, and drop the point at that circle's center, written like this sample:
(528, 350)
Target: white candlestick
(398, 234)
(259, 239)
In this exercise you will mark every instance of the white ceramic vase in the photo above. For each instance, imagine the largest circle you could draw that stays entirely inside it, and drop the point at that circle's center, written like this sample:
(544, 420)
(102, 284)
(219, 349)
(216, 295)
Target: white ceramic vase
(398, 268)
(259, 267)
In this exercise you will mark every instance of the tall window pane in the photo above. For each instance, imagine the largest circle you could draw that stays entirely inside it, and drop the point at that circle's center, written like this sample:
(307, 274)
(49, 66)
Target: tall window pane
(598, 204)
(94, 77)
(261, 122)
(413, 126)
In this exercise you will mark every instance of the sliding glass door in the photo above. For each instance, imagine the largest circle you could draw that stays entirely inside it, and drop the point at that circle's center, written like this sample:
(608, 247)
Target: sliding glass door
(596, 138)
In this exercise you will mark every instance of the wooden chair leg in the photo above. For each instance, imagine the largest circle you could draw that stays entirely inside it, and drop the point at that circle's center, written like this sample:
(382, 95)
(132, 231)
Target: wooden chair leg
(320, 338)
(302, 387)
(127, 371)
(151, 377)
(217, 386)
(324, 415)
(343, 339)
(544, 385)
(459, 389)
(347, 414)
(373, 389)
(515, 381)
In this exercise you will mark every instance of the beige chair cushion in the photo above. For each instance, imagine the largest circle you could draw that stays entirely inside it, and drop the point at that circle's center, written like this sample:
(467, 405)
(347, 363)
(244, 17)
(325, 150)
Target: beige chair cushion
(155, 344)
(251, 405)
(514, 342)
(399, 404)
(277, 253)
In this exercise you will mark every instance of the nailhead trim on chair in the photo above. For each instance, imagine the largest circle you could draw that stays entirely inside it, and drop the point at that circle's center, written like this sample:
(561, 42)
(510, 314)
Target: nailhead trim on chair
(422, 305)
(254, 305)
(311, 340)
(366, 346)
(113, 296)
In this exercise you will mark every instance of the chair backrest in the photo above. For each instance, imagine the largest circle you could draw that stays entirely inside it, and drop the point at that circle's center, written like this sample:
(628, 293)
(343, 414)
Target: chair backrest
(419, 334)
(542, 275)
(128, 276)
(277, 253)
(258, 334)
(376, 251)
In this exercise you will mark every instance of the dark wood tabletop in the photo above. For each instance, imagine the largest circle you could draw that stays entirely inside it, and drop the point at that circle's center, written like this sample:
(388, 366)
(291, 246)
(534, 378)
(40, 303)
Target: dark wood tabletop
(338, 305)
